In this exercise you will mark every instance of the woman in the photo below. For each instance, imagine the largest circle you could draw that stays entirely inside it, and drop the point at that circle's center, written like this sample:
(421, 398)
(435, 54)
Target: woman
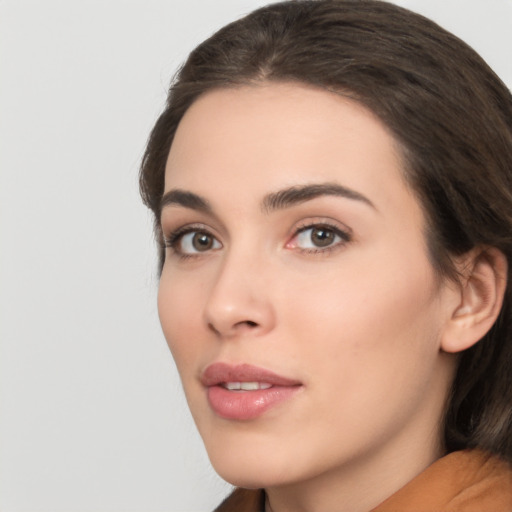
(331, 184)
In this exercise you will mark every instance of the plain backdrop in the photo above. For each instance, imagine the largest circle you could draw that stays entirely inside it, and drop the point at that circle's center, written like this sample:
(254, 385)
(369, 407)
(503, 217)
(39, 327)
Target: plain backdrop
(93, 418)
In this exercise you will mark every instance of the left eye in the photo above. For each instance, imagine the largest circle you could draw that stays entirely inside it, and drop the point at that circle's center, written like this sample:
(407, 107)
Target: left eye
(318, 237)
(195, 242)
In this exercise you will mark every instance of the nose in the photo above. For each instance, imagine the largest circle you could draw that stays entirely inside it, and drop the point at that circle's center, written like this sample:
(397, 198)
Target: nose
(239, 302)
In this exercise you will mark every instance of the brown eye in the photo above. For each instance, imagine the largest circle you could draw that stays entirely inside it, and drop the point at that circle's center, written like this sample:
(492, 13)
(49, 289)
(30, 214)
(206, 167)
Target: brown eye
(202, 241)
(322, 236)
(318, 237)
(195, 242)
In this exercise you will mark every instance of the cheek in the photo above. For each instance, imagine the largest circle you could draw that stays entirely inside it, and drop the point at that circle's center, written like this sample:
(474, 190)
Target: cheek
(180, 316)
(368, 320)
(368, 345)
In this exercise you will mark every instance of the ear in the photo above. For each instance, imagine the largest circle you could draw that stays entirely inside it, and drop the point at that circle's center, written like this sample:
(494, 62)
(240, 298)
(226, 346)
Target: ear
(482, 287)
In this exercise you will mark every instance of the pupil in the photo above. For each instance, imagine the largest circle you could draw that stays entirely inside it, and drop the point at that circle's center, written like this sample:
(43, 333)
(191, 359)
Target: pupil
(322, 237)
(202, 241)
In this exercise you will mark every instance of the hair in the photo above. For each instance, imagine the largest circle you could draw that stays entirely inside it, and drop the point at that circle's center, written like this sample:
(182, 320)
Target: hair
(451, 117)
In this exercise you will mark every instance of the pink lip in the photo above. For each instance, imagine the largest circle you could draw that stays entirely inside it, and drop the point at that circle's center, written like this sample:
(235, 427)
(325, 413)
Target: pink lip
(245, 405)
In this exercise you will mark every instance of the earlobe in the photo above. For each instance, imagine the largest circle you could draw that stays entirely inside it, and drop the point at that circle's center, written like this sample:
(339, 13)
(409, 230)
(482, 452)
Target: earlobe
(482, 287)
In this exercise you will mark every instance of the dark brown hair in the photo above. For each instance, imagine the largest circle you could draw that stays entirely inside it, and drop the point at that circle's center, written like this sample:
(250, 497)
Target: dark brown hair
(448, 111)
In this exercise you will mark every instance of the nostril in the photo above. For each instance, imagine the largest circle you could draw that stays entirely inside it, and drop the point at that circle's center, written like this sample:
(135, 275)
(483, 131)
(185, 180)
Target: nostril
(212, 328)
(247, 324)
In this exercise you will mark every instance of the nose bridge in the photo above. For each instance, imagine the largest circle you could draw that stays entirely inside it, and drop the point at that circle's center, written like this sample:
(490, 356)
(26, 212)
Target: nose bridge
(238, 301)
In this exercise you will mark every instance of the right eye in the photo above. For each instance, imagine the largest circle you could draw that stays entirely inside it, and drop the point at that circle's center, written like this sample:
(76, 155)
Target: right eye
(192, 242)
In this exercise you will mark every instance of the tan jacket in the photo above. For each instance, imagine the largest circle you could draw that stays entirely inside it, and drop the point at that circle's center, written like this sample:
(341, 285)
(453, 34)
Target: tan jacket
(465, 481)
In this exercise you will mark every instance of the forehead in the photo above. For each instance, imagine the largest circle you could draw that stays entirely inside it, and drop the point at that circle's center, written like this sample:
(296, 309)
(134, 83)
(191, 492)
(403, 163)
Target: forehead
(241, 143)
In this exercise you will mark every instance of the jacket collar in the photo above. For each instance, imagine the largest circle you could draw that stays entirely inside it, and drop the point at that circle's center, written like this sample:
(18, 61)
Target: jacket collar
(464, 481)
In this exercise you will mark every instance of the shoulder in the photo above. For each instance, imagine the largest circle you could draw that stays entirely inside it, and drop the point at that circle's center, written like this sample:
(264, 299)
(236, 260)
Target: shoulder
(463, 481)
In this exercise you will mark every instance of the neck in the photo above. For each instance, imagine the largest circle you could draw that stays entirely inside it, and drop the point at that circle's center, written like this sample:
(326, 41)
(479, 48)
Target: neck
(357, 486)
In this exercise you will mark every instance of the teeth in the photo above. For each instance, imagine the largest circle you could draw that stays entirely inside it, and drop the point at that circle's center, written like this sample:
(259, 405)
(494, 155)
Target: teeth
(249, 386)
(246, 386)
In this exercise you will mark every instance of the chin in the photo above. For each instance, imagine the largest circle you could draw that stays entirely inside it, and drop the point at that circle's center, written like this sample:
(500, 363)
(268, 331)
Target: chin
(244, 481)
(255, 464)
(249, 475)
(246, 462)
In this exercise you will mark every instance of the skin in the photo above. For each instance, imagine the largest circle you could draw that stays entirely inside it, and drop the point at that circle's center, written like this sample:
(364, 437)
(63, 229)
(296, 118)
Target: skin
(360, 322)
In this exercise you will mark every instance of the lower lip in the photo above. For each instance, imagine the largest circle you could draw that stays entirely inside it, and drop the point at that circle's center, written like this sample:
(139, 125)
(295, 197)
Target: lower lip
(247, 405)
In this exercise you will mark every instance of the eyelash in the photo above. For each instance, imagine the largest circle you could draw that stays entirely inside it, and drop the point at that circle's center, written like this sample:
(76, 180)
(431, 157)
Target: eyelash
(175, 237)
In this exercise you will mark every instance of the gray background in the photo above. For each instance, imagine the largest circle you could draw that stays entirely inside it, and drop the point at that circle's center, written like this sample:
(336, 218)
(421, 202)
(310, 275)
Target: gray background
(92, 413)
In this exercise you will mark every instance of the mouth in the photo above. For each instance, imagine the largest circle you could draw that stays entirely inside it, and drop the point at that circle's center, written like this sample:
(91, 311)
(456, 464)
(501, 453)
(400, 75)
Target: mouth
(245, 392)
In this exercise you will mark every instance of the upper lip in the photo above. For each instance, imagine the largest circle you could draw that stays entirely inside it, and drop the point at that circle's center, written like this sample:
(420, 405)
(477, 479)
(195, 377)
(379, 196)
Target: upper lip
(218, 373)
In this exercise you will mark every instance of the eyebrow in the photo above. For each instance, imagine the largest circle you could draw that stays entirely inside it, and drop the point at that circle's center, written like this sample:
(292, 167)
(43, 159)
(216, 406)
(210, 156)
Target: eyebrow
(302, 193)
(178, 197)
(279, 200)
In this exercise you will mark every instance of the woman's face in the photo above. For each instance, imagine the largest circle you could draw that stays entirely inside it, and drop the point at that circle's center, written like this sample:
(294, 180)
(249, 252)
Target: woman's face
(297, 296)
